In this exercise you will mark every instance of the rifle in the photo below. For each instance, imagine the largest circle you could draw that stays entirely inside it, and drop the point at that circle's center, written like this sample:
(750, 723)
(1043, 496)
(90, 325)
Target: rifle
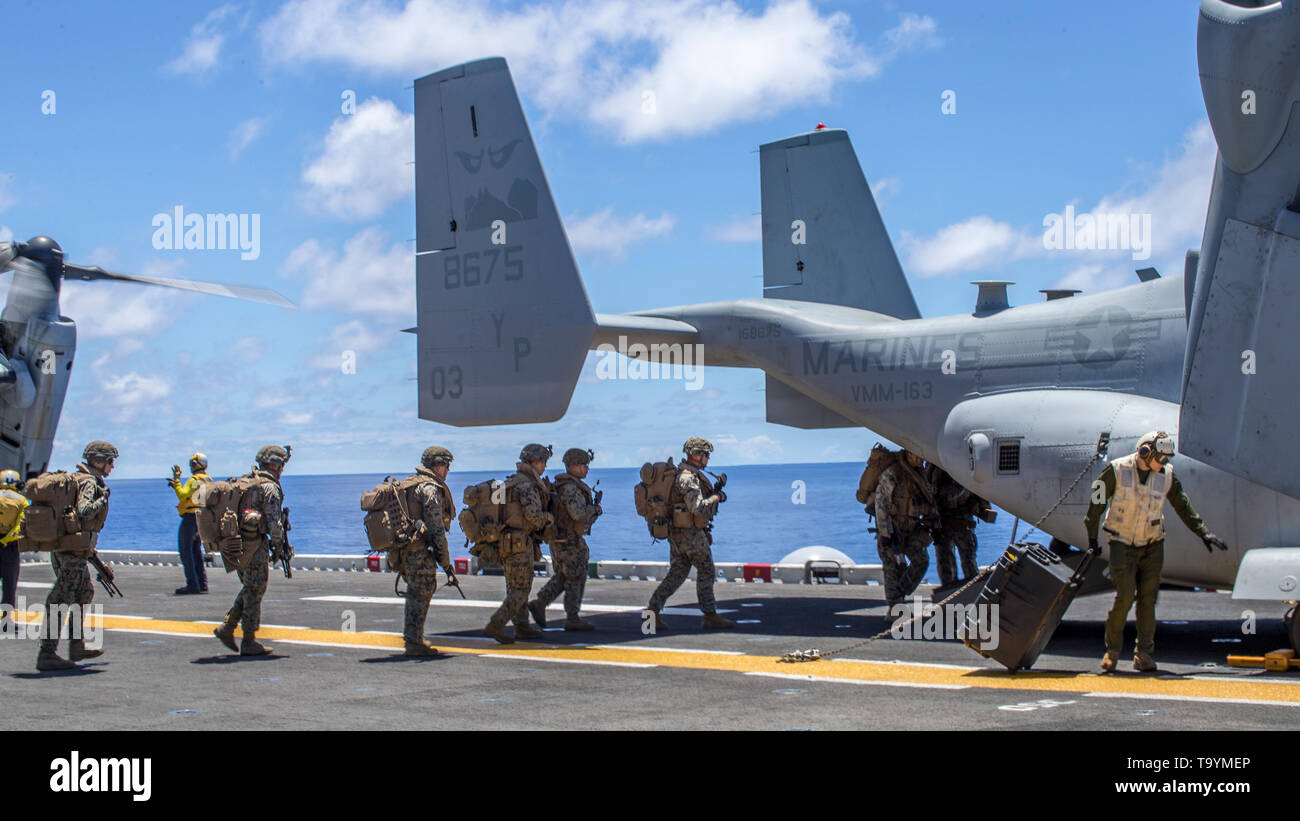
(453, 581)
(719, 483)
(105, 576)
(284, 554)
(599, 494)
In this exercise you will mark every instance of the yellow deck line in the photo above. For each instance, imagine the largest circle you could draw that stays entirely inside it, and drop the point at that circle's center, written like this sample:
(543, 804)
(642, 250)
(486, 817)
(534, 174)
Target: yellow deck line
(863, 670)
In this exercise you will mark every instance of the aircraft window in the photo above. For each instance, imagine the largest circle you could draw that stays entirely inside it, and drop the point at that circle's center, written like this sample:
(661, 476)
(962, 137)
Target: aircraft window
(1008, 458)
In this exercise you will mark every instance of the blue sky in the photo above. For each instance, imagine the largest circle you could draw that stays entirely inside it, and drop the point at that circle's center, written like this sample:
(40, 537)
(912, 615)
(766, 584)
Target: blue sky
(237, 107)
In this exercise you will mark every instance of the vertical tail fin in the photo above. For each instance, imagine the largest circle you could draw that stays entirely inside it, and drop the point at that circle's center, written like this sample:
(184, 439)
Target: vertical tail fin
(504, 322)
(823, 238)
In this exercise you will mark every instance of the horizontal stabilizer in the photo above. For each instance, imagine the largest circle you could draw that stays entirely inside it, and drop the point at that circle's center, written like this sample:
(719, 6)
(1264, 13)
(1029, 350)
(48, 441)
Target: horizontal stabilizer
(786, 406)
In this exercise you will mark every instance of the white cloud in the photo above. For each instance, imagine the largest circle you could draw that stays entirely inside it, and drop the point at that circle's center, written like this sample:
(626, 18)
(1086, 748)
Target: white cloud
(203, 47)
(355, 336)
(125, 397)
(885, 186)
(707, 62)
(299, 418)
(739, 229)
(1176, 198)
(367, 277)
(245, 133)
(974, 243)
(363, 167)
(759, 448)
(605, 232)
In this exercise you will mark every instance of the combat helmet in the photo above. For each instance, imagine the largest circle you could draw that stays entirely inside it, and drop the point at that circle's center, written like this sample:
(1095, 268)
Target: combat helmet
(199, 461)
(697, 443)
(99, 451)
(434, 456)
(273, 455)
(536, 453)
(9, 479)
(578, 456)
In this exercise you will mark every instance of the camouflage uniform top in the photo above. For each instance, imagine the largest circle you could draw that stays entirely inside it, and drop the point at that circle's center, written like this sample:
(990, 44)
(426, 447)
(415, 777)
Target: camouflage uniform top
(955, 502)
(272, 506)
(530, 489)
(695, 491)
(894, 481)
(92, 493)
(576, 498)
(430, 493)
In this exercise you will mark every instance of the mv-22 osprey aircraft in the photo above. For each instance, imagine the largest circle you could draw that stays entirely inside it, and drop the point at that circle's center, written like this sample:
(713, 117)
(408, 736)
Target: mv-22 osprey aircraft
(1029, 393)
(38, 343)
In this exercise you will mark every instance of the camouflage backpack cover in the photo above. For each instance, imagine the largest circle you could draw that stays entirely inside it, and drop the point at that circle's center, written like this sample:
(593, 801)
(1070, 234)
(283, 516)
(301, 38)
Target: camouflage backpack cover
(653, 495)
(51, 522)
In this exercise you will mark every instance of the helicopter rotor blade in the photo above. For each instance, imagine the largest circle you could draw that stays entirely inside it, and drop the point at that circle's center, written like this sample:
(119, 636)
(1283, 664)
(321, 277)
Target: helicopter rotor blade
(264, 295)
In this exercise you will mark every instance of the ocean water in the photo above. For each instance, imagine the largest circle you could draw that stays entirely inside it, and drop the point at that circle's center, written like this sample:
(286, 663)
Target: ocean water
(764, 518)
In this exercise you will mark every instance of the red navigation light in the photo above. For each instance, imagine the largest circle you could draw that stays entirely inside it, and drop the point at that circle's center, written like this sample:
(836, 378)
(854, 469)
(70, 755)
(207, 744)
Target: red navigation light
(820, 127)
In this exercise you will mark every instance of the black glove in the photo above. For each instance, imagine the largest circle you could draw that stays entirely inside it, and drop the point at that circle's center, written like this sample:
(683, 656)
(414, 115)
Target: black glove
(1211, 541)
(1093, 547)
(722, 497)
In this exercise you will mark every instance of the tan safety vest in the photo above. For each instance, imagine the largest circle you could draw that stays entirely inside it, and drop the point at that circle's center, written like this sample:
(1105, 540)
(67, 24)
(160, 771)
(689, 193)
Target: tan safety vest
(1136, 514)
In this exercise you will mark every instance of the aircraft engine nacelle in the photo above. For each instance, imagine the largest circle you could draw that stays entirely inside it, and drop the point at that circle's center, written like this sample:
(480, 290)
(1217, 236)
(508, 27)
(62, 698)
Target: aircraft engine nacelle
(30, 421)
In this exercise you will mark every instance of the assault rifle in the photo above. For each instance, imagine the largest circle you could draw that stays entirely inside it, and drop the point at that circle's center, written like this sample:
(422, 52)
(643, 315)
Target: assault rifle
(105, 575)
(718, 485)
(453, 581)
(284, 554)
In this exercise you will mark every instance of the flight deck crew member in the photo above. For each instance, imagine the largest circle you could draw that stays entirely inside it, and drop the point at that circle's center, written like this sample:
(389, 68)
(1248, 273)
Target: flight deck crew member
(1135, 487)
(12, 506)
(575, 511)
(187, 536)
(904, 499)
(693, 503)
(73, 585)
(429, 501)
(528, 496)
(255, 558)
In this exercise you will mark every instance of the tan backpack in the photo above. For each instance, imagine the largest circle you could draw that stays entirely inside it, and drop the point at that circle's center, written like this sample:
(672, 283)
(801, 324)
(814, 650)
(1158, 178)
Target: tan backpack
(484, 515)
(394, 515)
(51, 521)
(229, 518)
(880, 458)
(653, 496)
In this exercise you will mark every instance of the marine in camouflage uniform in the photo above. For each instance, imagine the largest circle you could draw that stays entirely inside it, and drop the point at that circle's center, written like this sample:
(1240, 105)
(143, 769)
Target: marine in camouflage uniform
(692, 546)
(576, 509)
(254, 569)
(902, 498)
(428, 551)
(72, 584)
(527, 497)
(957, 508)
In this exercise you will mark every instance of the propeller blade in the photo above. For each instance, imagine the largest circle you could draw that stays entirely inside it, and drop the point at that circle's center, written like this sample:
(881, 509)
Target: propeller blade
(264, 295)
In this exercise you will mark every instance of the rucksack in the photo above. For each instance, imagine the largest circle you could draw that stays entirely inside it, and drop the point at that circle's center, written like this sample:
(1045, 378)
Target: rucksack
(229, 518)
(51, 521)
(880, 458)
(653, 496)
(394, 515)
(484, 513)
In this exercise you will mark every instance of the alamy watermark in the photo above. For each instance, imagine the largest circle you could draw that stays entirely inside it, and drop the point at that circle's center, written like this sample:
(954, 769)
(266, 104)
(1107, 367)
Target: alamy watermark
(654, 361)
(85, 623)
(1098, 232)
(177, 231)
(950, 622)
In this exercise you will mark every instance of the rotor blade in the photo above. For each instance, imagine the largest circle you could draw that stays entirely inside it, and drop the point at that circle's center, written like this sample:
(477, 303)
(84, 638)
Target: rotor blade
(265, 295)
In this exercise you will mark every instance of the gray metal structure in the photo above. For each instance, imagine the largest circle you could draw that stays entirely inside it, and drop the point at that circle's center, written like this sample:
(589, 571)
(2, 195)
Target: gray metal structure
(1010, 400)
(38, 344)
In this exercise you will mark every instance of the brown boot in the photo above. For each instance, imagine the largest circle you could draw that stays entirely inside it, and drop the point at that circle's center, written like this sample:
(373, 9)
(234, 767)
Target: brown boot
(1143, 663)
(660, 624)
(712, 621)
(50, 660)
(1108, 662)
(527, 631)
(250, 646)
(497, 631)
(419, 648)
(77, 650)
(539, 612)
(226, 633)
(575, 623)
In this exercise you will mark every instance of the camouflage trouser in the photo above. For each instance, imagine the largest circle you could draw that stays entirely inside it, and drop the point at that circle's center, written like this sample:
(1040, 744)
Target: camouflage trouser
(570, 576)
(72, 586)
(247, 609)
(519, 583)
(964, 539)
(905, 563)
(1135, 572)
(687, 549)
(421, 573)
